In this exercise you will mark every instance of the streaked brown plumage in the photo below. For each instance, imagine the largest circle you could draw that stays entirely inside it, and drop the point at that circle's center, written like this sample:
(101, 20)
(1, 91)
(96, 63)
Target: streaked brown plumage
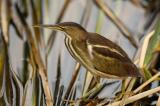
(97, 54)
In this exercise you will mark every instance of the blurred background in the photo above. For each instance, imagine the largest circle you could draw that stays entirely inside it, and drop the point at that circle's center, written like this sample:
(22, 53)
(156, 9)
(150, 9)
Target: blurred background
(29, 56)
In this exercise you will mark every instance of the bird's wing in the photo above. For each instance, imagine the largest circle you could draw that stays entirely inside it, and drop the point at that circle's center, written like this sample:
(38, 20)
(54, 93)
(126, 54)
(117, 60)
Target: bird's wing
(106, 48)
(109, 58)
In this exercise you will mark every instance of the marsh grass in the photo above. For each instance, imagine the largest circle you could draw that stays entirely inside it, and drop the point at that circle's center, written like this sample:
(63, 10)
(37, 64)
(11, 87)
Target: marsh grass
(39, 72)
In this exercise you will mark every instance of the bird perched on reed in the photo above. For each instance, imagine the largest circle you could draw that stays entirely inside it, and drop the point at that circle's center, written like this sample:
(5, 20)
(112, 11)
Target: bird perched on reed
(99, 55)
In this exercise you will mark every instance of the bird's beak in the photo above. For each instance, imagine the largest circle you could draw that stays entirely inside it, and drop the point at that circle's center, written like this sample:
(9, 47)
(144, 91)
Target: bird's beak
(53, 27)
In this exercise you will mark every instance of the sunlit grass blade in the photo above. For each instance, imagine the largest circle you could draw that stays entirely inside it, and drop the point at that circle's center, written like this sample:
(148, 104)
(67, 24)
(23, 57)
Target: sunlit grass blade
(2, 63)
(5, 17)
(153, 43)
(35, 21)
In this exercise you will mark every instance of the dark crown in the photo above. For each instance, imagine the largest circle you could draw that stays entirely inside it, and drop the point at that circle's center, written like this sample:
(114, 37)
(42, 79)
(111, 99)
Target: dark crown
(72, 24)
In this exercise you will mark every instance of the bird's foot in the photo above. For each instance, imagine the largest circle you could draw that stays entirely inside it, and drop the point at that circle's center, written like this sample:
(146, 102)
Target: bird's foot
(118, 97)
(124, 97)
(71, 102)
(93, 91)
(121, 95)
(90, 95)
(77, 101)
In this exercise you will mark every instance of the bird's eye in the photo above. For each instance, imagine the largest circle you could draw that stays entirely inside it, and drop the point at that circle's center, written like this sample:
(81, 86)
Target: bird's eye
(66, 28)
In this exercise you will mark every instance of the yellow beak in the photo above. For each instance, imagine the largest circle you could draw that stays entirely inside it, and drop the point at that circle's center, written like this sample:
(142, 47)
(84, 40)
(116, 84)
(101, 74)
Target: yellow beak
(53, 27)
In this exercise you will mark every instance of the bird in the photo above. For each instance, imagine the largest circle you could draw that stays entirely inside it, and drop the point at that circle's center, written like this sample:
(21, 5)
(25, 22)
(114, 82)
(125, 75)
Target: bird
(99, 55)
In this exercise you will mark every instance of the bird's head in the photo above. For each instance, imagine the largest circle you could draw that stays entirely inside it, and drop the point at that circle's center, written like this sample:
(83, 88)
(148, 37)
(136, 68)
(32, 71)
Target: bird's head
(71, 29)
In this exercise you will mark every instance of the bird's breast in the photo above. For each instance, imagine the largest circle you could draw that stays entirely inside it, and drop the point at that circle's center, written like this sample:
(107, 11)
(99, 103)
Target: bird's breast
(79, 52)
(76, 51)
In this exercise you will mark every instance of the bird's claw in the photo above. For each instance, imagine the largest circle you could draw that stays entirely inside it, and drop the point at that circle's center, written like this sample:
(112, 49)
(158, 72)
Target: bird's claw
(120, 95)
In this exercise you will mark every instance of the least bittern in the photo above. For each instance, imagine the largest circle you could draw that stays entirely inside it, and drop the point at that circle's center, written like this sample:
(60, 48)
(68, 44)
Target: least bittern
(99, 55)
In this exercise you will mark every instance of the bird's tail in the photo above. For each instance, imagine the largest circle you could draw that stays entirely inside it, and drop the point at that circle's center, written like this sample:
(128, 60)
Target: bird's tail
(133, 71)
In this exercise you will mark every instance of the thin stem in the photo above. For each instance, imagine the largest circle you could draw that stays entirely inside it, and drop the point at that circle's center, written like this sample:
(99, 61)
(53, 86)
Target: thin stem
(110, 14)
(146, 83)
(136, 97)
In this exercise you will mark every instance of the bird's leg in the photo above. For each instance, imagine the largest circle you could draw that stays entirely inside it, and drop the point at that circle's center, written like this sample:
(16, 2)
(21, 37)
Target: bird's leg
(93, 91)
(121, 94)
(123, 87)
(124, 94)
